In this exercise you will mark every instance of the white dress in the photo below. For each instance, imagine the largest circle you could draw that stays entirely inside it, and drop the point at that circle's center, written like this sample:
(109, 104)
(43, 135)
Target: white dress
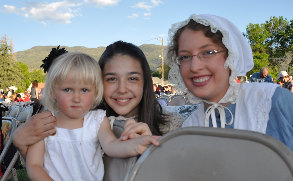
(76, 154)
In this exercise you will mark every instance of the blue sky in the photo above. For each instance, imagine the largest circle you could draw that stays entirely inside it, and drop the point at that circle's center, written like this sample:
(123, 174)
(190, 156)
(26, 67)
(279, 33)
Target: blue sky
(94, 23)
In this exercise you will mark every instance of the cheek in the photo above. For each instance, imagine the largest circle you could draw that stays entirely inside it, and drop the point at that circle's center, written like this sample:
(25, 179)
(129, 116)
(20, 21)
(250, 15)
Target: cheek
(108, 91)
(138, 89)
(217, 67)
(225, 76)
(222, 78)
(184, 71)
(90, 100)
(61, 102)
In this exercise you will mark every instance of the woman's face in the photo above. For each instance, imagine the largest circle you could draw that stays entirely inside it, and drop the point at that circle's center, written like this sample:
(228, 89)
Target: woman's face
(123, 84)
(204, 78)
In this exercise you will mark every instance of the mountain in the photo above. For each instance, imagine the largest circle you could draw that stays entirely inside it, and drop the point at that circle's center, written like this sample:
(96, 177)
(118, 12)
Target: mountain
(33, 57)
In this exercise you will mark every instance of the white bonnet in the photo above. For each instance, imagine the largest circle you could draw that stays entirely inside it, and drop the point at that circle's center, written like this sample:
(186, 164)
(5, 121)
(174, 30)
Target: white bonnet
(239, 60)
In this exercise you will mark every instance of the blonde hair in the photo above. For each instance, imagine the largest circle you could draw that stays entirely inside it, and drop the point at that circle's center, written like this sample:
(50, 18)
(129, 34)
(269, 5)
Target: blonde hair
(84, 69)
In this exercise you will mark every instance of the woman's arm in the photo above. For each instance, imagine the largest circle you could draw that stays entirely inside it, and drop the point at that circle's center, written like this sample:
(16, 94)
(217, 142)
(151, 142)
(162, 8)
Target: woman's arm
(34, 162)
(116, 148)
(34, 130)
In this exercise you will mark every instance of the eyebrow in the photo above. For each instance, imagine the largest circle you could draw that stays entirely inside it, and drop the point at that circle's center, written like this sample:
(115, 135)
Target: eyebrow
(200, 48)
(110, 73)
(130, 73)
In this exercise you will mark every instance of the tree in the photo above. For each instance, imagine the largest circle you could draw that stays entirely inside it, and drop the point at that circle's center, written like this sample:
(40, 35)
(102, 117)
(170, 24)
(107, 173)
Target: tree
(271, 44)
(13, 73)
(37, 75)
(25, 76)
(277, 42)
(257, 36)
(289, 32)
(158, 73)
(8, 74)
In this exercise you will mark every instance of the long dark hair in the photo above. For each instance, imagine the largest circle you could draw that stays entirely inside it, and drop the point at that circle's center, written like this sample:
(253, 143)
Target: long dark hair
(150, 111)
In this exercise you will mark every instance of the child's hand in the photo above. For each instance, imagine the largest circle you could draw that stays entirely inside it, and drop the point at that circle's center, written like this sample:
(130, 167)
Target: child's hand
(143, 142)
(133, 129)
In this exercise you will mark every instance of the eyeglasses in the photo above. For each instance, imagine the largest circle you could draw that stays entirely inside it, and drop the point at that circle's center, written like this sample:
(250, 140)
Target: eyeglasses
(204, 55)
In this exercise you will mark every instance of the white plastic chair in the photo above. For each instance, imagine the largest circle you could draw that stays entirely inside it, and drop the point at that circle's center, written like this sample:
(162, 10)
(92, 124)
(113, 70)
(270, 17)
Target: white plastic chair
(10, 171)
(9, 123)
(214, 154)
(177, 100)
(13, 111)
(25, 114)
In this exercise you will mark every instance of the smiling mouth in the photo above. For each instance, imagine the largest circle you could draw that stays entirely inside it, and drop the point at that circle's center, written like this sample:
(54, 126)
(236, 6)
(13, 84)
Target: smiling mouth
(201, 79)
(122, 100)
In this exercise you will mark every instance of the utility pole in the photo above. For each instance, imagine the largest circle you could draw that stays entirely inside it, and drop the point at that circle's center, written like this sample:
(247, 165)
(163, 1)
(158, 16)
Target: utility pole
(162, 56)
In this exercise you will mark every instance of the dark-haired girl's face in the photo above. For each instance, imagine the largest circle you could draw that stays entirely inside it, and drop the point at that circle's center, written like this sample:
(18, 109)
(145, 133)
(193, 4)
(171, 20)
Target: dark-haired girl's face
(123, 84)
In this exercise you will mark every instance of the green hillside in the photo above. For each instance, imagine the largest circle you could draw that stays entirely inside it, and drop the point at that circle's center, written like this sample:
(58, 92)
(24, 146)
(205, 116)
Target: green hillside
(34, 56)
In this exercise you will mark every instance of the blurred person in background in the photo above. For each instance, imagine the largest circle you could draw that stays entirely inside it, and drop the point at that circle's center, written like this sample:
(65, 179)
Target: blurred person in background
(26, 97)
(285, 81)
(13, 96)
(18, 98)
(261, 76)
(34, 91)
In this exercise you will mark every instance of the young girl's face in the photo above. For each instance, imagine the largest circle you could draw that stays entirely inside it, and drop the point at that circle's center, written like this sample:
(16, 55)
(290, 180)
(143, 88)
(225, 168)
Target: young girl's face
(206, 79)
(123, 84)
(74, 98)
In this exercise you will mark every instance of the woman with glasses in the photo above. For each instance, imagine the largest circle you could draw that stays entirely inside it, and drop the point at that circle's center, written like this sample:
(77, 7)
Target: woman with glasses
(206, 53)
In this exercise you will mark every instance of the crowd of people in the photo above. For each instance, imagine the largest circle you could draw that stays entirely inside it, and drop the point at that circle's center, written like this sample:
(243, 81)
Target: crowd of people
(163, 89)
(205, 55)
(9, 96)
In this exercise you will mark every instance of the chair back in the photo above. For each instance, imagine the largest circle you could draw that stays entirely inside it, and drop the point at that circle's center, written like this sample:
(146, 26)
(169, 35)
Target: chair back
(8, 127)
(177, 100)
(214, 154)
(163, 100)
(25, 114)
(14, 110)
